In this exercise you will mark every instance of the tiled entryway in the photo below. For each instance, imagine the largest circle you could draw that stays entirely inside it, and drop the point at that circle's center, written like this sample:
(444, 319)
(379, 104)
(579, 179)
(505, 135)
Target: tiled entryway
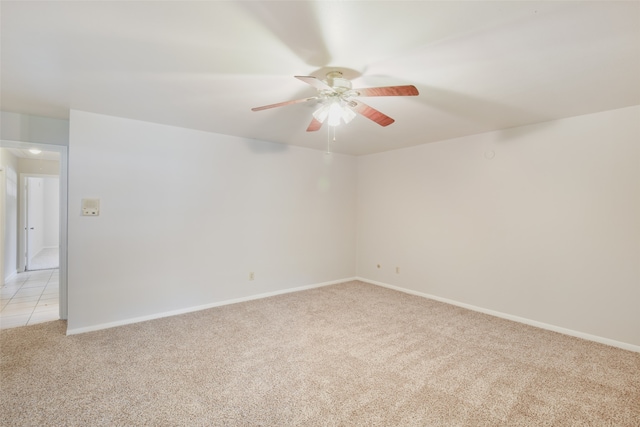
(46, 259)
(30, 298)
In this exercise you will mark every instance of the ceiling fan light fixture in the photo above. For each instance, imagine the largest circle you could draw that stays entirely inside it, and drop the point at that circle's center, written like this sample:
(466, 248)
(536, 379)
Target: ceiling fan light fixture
(333, 112)
(321, 113)
(347, 114)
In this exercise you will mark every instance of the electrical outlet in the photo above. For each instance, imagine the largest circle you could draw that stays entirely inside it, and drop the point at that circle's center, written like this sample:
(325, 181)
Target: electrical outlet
(251, 276)
(378, 265)
(397, 270)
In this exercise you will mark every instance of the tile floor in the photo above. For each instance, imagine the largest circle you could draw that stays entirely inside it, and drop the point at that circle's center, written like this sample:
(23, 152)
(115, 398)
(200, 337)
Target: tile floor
(29, 298)
(46, 259)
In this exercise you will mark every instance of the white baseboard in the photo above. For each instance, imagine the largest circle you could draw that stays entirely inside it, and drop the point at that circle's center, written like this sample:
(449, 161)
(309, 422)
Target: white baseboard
(200, 307)
(11, 276)
(565, 331)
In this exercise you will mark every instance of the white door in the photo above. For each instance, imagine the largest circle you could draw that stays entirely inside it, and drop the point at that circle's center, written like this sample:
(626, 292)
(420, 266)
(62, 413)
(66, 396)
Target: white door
(35, 218)
(42, 219)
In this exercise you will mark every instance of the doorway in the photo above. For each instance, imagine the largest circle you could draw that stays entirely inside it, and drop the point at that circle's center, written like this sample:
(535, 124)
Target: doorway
(52, 242)
(41, 219)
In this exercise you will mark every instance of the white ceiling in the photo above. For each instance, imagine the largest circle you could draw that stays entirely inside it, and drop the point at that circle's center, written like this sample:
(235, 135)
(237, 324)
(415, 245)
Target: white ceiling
(479, 65)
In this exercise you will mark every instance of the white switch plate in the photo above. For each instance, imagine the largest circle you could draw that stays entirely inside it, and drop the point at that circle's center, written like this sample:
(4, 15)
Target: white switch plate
(90, 207)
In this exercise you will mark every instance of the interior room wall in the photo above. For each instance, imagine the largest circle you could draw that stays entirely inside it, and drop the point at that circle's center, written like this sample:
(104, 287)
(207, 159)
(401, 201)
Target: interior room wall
(9, 165)
(539, 222)
(39, 166)
(51, 205)
(35, 202)
(29, 128)
(186, 216)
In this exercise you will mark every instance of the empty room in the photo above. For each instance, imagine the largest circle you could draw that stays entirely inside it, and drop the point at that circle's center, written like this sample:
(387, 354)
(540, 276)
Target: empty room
(322, 213)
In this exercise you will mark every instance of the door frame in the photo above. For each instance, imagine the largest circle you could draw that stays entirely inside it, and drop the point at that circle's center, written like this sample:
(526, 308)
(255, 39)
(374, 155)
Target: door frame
(3, 195)
(64, 173)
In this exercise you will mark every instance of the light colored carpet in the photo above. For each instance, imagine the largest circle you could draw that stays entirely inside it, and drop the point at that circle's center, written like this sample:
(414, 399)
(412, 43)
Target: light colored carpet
(352, 354)
(46, 259)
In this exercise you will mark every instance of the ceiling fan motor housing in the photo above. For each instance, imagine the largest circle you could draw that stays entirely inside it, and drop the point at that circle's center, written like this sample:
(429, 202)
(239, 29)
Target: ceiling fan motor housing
(337, 82)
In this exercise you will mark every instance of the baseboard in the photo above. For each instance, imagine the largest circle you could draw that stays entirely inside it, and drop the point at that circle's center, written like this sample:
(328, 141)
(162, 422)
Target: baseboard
(129, 321)
(565, 331)
(11, 276)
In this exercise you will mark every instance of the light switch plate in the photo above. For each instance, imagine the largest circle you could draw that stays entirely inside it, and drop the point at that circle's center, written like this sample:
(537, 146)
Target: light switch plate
(90, 207)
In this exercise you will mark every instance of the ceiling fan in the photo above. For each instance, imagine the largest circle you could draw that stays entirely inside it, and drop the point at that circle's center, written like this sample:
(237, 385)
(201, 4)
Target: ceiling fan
(338, 103)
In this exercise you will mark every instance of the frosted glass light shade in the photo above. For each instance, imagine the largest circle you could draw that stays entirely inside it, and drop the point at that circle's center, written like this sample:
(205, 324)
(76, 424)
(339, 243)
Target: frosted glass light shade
(334, 111)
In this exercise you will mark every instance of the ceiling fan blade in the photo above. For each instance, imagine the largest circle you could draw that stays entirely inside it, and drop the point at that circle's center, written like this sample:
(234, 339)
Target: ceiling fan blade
(281, 104)
(314, 125)
(371, 113)
(315, 82)
(408, 90)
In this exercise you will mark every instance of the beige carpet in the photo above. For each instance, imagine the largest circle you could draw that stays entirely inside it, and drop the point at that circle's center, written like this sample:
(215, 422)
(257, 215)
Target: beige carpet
(345, 355)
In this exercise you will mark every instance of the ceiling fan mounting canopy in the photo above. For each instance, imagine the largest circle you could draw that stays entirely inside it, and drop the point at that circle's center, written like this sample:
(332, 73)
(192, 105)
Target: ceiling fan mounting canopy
(337, 82)
(336, 95)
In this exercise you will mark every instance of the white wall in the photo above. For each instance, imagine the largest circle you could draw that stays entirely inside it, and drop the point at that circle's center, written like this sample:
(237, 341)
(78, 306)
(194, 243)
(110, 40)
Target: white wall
(186, 215)
(35, 220)
(38, 166)
(547, 230)
(51, 206)
(9, 165)
(36, 129)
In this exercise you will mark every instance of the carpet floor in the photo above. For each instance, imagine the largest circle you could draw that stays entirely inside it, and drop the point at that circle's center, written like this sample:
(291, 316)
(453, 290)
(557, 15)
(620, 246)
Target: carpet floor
(351, 354)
